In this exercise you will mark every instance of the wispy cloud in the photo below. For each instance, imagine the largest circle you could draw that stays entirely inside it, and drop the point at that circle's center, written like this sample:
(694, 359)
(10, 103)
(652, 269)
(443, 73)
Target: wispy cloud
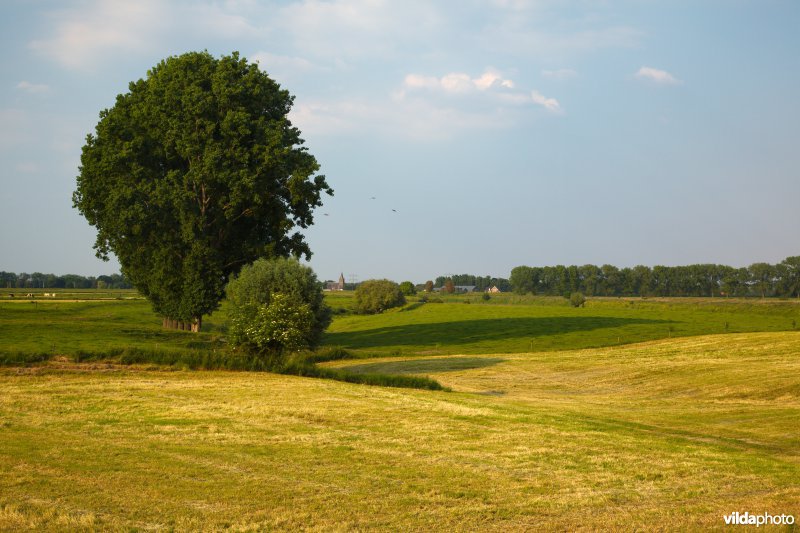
(283, 68)
(33, 88)
(655, 75)
(90, 34)
(416, 119)
(560, 74)
(83, 36)
(551, 104)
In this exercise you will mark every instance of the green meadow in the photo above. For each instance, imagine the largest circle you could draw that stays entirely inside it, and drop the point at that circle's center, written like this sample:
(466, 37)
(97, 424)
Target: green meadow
(623, 414)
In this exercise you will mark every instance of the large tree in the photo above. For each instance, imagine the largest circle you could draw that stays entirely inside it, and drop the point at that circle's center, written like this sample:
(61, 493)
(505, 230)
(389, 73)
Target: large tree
(193, 173)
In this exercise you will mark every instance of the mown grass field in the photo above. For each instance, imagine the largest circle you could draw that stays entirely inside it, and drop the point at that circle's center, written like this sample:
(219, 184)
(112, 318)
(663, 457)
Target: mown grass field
(669, 434)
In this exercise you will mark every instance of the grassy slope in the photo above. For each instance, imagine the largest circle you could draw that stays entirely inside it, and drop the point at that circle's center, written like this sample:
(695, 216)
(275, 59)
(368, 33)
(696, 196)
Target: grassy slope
(550, 324)
(58, 327)
(671, 434)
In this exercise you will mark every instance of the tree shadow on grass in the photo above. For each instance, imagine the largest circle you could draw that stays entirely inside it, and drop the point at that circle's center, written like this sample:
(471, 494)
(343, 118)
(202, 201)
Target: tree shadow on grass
(424, 366)
(475, 331)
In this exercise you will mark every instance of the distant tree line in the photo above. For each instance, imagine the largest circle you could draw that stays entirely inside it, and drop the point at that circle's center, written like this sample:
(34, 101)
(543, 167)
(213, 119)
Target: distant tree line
(759, 279)
(23, 280)
(481, 283)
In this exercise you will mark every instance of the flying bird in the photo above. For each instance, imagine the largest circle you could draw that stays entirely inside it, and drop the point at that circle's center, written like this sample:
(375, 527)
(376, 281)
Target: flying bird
(394, 210)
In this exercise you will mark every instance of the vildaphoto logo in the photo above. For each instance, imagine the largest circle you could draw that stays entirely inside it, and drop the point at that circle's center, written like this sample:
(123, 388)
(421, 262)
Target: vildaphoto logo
(763, 519)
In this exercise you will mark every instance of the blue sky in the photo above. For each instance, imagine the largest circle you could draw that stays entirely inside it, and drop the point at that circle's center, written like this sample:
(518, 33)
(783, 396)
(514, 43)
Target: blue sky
(502, 132)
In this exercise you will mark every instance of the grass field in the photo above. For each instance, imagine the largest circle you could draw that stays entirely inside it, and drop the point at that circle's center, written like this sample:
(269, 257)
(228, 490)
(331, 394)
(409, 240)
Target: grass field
(510, 324)
(540, 431)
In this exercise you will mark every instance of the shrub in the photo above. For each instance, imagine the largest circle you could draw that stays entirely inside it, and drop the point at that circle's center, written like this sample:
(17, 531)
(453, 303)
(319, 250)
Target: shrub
(378, 295)
(485, 297)
(407, 288)
(276, 306)
(281, 325)
(577, 299)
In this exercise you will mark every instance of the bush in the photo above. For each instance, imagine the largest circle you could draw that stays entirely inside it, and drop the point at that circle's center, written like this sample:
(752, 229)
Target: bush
(276, 306)
(407, 288)
(577, 299)
(378, 295)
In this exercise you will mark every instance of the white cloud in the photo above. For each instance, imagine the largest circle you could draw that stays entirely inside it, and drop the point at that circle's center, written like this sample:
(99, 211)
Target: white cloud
(33, 88)
(458, 82)
(657, 76)
(489, 79)
(415, 81)
(551, 104)
(560, 74)
(99, 31)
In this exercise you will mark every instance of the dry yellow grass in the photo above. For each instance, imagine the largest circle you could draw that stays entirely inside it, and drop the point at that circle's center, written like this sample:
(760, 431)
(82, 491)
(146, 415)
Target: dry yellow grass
(664, 435)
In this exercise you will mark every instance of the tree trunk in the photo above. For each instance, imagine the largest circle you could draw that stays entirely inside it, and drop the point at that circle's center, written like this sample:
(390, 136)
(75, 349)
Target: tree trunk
(193, 325)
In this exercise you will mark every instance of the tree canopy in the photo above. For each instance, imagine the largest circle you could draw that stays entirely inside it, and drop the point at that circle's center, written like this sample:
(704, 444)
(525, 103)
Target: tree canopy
(759, 279)
(378, 295)
(193, 173)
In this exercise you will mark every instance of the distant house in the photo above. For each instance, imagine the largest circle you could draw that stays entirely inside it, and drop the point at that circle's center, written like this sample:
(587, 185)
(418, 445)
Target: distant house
(336, 285)
(465, 288)
(493, 289)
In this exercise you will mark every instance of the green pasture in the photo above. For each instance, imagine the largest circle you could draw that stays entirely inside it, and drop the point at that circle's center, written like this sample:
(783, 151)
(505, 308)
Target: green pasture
(39, 295)
(463, 324)
(94, 326)
(509, 324)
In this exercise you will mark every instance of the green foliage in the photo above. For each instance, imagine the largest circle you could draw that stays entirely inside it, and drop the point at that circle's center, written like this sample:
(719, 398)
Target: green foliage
(378, 295)
(577, 299)
(276, 305)
(278, 326)
(193, 173)
(407, 288)
(485, 297)
(704, 280)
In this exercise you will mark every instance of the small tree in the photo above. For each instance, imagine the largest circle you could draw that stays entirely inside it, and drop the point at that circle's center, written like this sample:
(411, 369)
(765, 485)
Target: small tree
(429, 286)
(577, 299)
(407, 288)
(378, 295)
(449, 286)
(276, 306)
